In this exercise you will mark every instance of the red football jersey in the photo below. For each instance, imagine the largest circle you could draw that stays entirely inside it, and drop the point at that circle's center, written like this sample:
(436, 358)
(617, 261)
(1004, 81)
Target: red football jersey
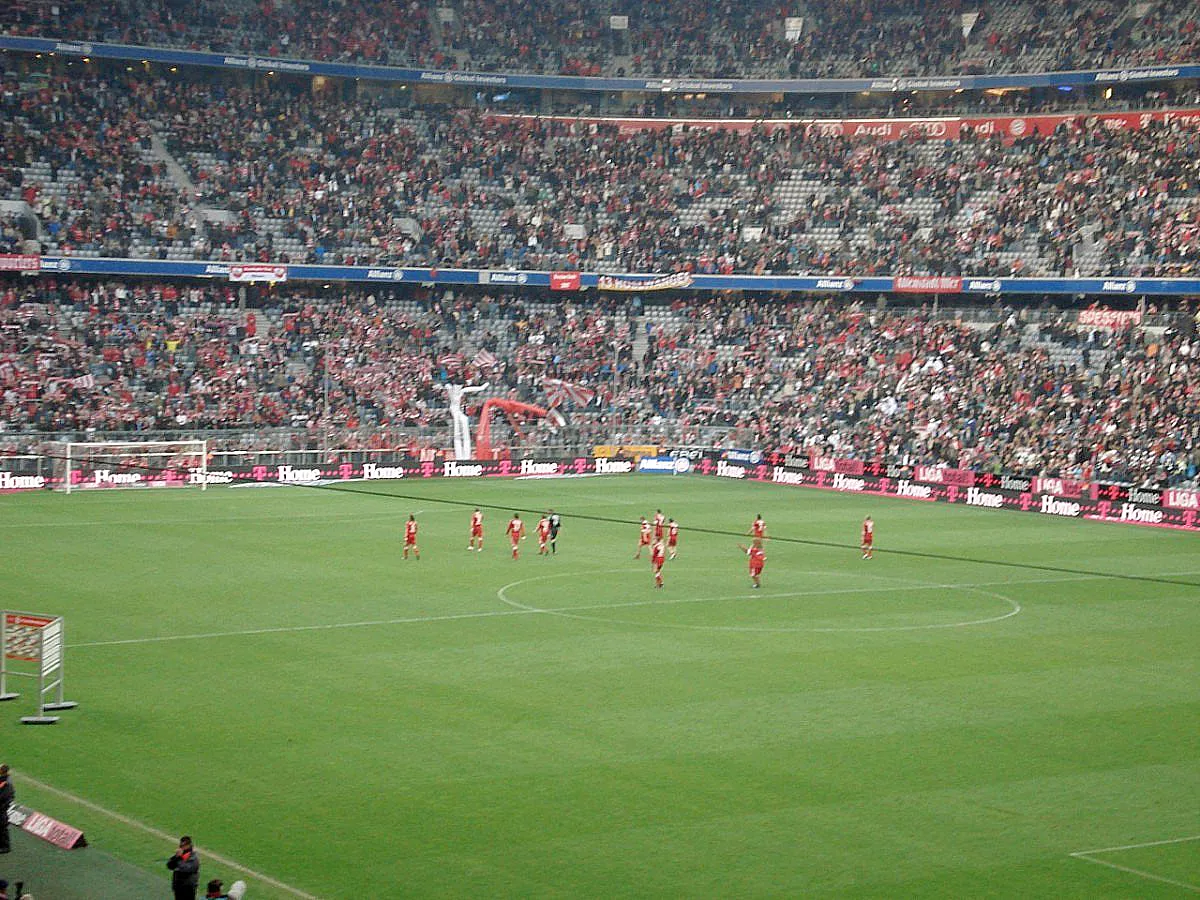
(868, 531)
(759, 528)
(516, 528)
(673, 532)
(410, 532)
(757, 557)
(476, 520)
(543, 528)
(657, 554)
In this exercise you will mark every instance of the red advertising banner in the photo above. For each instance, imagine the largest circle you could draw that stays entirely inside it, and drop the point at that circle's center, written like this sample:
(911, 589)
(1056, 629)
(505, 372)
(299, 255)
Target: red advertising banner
(21, 635)
(57, 833)
(1059, 487)
(19, 263)
(927, 284)
(564, 281)
(257, 272)
(1177, 499)
(1110, 318)
(932, 128)
(943, 475)
(836, 464)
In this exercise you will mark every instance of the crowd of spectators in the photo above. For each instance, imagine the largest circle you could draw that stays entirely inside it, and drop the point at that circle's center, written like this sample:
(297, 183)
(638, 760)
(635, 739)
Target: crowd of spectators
(747, 38)
(314, 178)
(1011, 392)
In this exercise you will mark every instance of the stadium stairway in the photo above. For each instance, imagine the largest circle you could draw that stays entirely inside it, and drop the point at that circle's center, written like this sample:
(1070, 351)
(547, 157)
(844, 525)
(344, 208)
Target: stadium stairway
(158, 149)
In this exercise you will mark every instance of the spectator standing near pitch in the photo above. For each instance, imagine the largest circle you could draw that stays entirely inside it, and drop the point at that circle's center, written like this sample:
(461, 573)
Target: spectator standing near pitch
(6, 799)
(185, 870)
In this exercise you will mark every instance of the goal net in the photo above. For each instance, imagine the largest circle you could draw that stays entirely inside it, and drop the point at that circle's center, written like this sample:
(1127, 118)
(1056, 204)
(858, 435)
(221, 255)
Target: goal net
(137, 464)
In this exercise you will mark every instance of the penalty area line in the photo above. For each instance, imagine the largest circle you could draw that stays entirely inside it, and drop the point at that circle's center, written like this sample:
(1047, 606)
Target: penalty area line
(158, 833)
(1089, 856)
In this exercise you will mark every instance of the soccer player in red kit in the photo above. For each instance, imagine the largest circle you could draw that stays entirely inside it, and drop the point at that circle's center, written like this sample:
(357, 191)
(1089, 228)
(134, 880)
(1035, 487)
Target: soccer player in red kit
(516, 533)
(543, 533)
(659, 524)
(672, 536)
(758, 528)
(868, 538)
(410, 537)
(757, 559)
(476, 540)
(643, 538)
(658, 556)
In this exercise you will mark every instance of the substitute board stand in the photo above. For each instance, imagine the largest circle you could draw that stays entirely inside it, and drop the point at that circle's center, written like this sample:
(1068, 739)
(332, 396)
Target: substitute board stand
(33, 638)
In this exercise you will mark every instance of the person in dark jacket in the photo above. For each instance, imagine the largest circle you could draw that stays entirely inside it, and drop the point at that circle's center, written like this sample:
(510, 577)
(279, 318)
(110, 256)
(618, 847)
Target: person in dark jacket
(185, 870)
(6, 799)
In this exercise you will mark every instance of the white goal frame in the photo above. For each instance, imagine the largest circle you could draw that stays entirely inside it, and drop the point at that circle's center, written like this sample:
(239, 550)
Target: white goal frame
(76, 451)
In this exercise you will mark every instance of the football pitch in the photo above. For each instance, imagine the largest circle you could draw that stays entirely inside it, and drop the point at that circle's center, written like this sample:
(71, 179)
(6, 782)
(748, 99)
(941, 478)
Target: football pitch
(996, 705)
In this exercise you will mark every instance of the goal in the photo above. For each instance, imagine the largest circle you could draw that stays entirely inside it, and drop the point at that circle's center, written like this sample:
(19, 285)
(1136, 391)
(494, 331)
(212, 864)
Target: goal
(140, 464)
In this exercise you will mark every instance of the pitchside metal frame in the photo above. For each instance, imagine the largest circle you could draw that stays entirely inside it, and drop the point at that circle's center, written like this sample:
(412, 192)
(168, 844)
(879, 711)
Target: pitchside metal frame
(139, 448)
(34, 637)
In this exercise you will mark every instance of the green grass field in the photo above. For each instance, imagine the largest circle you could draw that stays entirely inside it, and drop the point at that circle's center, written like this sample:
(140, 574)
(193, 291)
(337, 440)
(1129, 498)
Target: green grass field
(260, 669)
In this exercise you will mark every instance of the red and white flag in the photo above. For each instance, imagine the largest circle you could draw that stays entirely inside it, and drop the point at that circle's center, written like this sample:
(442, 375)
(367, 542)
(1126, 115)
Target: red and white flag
(452, 360)
(559, 391)
(84, 381)
(485, 359)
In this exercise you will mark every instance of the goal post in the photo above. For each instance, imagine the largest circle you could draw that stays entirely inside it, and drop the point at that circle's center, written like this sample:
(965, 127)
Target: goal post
(110, 464)
(31, 646)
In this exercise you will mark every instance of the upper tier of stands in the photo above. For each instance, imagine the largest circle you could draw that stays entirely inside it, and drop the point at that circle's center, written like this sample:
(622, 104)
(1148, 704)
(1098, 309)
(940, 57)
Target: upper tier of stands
(154, 168)
(746, 38)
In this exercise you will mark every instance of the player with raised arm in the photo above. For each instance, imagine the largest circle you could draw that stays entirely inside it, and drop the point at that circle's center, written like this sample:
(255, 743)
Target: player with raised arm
(658, 557)
(475, 542)
(555, 524)
(758, 528)
(868, 538)
(757, 559)
(659, 524)
(643, 538)
(516, 533)
(543, 533)
(672, 537)
(410, 537)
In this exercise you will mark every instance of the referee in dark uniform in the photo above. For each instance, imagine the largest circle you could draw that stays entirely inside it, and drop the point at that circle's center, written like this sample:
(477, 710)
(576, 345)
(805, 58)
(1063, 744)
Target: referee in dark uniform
(555, 524)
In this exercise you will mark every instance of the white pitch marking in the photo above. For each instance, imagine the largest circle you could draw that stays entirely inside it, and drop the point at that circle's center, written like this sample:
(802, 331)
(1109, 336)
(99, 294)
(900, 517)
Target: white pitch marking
(493, 613)
(1139, 872)
(565, 612)
(1182, 840)
(572, 612)
(150, 829)
(315, 517)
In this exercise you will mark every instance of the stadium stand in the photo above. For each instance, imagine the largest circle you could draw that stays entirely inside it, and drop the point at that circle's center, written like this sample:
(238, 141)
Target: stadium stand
(669, 38)
(268, 175)
(1014, 390)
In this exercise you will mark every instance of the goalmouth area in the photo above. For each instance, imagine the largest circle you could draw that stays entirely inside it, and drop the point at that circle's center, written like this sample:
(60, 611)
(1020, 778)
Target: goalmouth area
(997, 704)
